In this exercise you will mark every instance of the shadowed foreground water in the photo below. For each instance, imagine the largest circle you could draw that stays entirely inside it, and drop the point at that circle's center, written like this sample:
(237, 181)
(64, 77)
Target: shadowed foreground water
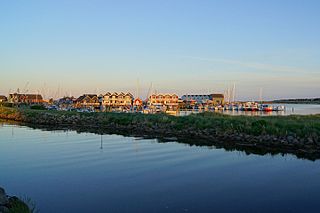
(71, 172)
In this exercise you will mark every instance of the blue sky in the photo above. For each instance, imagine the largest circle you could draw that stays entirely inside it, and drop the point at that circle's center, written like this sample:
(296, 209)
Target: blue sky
(180, 46)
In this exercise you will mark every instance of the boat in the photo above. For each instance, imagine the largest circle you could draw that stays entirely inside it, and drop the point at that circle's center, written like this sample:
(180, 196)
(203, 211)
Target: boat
(279, 108)
(266, 108)
(250, 106)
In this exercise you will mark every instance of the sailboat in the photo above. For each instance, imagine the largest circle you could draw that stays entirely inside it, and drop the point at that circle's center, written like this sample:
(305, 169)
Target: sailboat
(264, 107)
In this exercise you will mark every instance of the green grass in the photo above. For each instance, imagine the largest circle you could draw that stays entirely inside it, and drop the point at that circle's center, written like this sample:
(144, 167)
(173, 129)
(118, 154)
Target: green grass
(298, 125)
(274, 125)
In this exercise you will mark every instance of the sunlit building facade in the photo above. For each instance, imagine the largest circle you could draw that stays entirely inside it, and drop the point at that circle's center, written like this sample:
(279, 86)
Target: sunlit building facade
(118, 99)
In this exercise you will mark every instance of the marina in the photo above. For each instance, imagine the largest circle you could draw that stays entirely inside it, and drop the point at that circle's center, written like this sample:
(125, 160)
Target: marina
(159, 103)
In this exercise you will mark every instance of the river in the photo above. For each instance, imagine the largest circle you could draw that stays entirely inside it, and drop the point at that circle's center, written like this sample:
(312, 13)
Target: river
(64, 171)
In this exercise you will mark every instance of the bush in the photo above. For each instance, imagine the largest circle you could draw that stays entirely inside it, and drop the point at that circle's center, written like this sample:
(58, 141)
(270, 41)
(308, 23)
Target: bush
(7, 104)
(37, 107)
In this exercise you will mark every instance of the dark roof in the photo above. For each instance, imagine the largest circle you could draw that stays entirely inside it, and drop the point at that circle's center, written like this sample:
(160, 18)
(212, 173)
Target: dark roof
(217, 96)
(197, 96)
(202, 97)
(2, 97)
(118, 94)
(91, 96)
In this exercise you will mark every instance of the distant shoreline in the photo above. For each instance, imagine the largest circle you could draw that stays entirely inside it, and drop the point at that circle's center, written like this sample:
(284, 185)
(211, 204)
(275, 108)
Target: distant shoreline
(297, 101)
(298, 135)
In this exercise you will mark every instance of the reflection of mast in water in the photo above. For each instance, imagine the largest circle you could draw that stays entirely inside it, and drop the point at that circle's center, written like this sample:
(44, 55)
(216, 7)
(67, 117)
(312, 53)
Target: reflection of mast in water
(101, 142)
(136, 145)
(12, 132)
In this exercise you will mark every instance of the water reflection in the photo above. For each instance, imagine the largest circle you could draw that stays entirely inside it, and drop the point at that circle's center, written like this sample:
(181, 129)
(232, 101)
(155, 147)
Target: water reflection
(147, 175)
(228, 146)
(256, 113)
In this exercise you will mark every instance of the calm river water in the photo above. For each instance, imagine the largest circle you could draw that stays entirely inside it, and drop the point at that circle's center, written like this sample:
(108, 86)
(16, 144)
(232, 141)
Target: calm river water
(71, 172)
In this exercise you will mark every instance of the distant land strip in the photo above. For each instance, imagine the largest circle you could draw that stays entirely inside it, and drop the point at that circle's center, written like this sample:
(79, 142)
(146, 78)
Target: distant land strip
(298, 101)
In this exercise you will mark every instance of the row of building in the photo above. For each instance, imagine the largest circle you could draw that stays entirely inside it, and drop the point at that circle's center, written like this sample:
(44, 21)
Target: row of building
(22, 98)
(127, 100)
(116, 100)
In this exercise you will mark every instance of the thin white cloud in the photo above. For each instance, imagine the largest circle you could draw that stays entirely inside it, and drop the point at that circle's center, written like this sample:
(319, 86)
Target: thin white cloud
(255, 65)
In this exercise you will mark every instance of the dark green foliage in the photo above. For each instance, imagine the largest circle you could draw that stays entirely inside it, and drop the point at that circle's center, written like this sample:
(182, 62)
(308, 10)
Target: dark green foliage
(6, 104)
(38, 107)
(24, 205)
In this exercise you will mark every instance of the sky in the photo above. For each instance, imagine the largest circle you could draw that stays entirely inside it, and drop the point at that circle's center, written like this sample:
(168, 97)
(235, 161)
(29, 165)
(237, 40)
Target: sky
(73, 47)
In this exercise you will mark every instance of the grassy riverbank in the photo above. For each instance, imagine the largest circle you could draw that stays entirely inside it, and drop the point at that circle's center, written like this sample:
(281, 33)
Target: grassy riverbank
(299, 125)
(287, 133)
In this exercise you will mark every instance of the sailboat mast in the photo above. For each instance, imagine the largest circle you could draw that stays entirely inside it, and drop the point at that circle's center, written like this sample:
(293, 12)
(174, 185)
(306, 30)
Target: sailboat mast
(137, 89)
(233, 92)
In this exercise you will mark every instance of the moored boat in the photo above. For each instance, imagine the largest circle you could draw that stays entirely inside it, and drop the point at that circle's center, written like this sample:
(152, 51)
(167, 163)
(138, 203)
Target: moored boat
(266, 108)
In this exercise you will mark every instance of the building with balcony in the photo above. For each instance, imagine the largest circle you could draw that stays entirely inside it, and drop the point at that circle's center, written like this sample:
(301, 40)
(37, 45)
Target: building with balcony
(87, 101)
(117, 100)
(169, 101)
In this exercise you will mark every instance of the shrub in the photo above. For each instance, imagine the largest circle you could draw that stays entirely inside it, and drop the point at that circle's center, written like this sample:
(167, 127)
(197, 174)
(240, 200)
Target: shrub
(37, 107)
(7, 104)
